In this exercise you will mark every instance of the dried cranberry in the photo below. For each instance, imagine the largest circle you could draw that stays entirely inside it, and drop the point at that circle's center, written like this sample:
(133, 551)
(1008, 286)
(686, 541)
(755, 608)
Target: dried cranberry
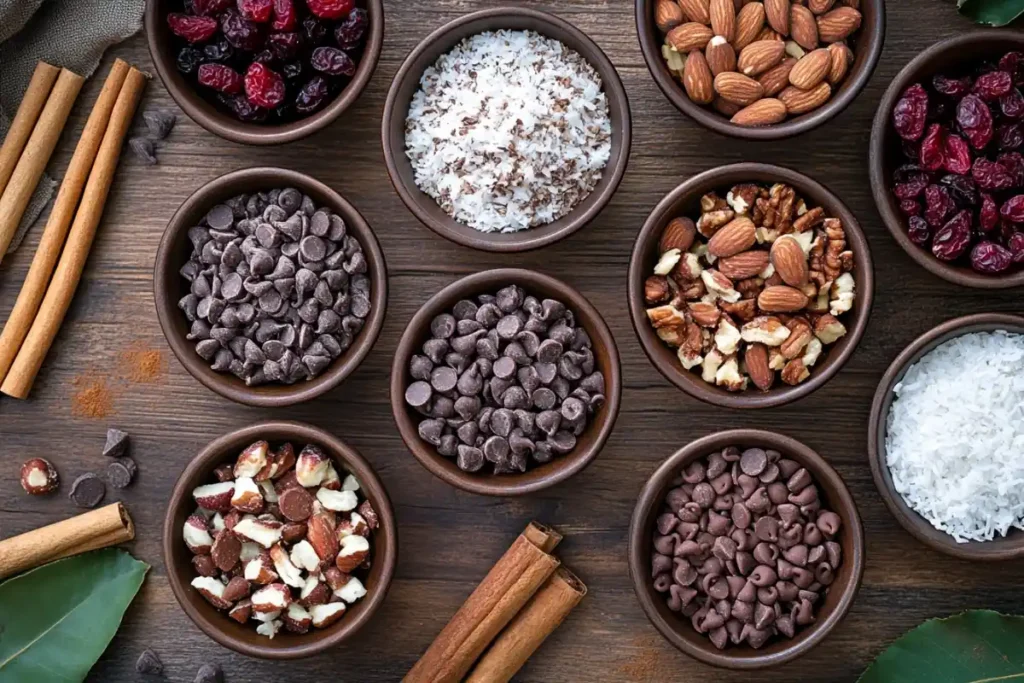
(1016, 246)
(284, 45)
(993, 85)
(221, 51)
(1014, 163)
(1013, 209)
(291, 70)
(938, 204)
(243, 108)
(951, 87)
(1013, 63)
(221, 78)
(1007, 230)
(953, 239)
(263, 86)
(961, 188)
(259, 11)
(330, 9)
(912, 187)
(991, 176)
(210, 8)
(240, 32)
(989, 257)
(284, 15)
(189, 60)
(910, 112)
(910, 207)
(316, 32)
(975, 120)
(911, 149)
(918, 231)
(192, 29)
(933, 148)
(988, 215)
(312, 96)
(1012, 104)
(1010, 136)
(264, 57)
(332, 61)
(957, 155)
(349, 33)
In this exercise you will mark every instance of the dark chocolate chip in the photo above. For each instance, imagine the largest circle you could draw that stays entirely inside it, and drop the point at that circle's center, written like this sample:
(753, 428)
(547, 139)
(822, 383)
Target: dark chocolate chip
(117, 443)
(87, 491)
(443, 326)
(470, 458)
(443, 378)
(159, 123)
(144, 150)
(418, 394)
(149, 664)
(209, 673)
(121, 472)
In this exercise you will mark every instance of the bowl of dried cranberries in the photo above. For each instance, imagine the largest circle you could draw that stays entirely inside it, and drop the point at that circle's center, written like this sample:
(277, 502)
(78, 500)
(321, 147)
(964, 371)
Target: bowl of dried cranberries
(264, 72)
(947, 159)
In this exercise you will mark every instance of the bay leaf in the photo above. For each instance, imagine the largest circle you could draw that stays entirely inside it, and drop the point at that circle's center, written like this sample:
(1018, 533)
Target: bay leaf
(973, 647)
(992, 12)
(56, 621)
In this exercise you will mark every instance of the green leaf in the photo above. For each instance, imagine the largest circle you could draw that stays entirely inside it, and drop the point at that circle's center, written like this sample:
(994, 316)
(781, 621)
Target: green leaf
(56, 621)
(993, 12)
(979, 646)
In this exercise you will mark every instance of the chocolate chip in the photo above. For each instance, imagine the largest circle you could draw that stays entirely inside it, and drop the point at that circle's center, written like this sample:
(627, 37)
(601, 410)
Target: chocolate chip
(121, 472)
(87, 491)
(149, 664)
(159, 123)
(418, 394)
(470, 459)
(144, 150)
(464, 310)
(443, 379)
(117, 443)
(753, 461)
(209, 673)
(504, 368)
(443, 326)
(431, 431)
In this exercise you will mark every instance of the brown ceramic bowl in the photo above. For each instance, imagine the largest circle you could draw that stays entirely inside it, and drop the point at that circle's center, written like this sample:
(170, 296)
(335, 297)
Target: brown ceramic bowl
(218, 121)
(867, 47)
(677, 629)
(169, 286)
(685, 200)
(537, 477)
(178, 558)
(884, 156)
(407, 82)
(1008, 547)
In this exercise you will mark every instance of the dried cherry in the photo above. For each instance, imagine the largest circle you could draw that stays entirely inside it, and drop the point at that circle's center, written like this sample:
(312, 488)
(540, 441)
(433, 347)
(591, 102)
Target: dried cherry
(953, 239)
(194, 29)
(988, 215)
(292, 70)
(1013, 209)
(240, 32)
(989, 257)
(1013, 63)
(910, 207)
(210, 8)
(284, 45)
(993, 85)
(1013, 162)
(221, 78)
(259, 11)
(963, 190)
(975, 120)
(330, 9)
(333, 61)
(911, 112)
(951, 87)
(189, 59)
(349, 33)
(1012, 104)
(912, 187)
(1010, 136)
(243, 108)
(1016, 246)
(938, 204)
(221, 51)
(316, 32)
(933, 148)
(918, 231)
(991, 176)
(957, 155)
(313, 95)
(284, 16)
(263, 86)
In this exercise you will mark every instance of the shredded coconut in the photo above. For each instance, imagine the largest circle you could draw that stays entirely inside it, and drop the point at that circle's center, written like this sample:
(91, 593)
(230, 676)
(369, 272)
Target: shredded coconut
(955, 436)
(509, 130)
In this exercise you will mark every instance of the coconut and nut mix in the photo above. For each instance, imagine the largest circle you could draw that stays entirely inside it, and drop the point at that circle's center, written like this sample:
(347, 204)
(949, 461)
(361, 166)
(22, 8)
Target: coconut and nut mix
(278, 287)
(744, 546)
(961, 185)
(506, 379)
(757, 286)
(278, 537)
(758, 63)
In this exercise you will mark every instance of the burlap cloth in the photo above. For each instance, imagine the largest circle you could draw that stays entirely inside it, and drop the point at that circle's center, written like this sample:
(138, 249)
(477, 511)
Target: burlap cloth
(68, 33)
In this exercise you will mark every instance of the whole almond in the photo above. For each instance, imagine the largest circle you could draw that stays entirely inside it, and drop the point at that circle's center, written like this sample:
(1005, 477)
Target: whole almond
(776, 79)
(678, 234)
(688, 37)
(812, 69)
(696, 10)
(820, 6)
(755, 358)
(720, 55)
(799, 101)
(667, 15)
(838, 24)
(789, 260)
(697, 78)
(749, 22)
(737, 88)
(802, 27)
(842, 58)
(760, 56)
(764, 112)
(744, 265)
(768, 33)
(725, 107)
(723, 18)
(781, 299)
(777, 14)
(736, 236)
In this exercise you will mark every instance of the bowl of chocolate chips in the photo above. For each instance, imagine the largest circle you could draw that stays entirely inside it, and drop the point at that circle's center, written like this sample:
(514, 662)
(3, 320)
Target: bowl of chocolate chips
(506, 382)
(270, 288)
(745, 549)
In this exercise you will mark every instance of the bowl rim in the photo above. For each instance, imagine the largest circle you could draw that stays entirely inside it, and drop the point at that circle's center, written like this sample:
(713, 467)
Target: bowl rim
(520, 241)
(690, 382)
(885, 203)
(226, 385)
(340, 451)
(246, 133)
(645, 29)
(504, 485)
(909, 519)
(823, 473)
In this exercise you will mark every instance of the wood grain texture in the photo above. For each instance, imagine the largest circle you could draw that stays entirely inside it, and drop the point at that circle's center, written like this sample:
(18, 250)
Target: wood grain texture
(450, 539)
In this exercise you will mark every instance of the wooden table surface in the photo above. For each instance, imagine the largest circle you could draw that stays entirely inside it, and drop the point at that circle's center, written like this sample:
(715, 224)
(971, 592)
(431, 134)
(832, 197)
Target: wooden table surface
(449, 539)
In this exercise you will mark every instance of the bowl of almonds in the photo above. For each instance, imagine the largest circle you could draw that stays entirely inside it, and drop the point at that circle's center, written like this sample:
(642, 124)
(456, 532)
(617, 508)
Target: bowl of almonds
(750, 285)
(761, 70)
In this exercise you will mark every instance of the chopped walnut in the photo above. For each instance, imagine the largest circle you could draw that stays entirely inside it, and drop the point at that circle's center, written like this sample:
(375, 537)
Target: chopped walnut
(782, 199)
(667, 262)
(673, 336)
(744, 309)
(795, 372)
(712, 202)
(767, 330)
(709, 223)
(665, 316)
(719, 285)
(812, 353)
(729, 376)
(704, 313)
(712, 361)
(727, 337)
(749, 288)
(828, 329)
(776, 361)
(799, 337)
(688, 268)
(741, 198)
(809, 220)
(836, 245)
(689, 359)
(842, 294)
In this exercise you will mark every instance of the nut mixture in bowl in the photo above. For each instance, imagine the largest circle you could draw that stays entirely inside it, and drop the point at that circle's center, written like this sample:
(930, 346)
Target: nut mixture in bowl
(754, 289)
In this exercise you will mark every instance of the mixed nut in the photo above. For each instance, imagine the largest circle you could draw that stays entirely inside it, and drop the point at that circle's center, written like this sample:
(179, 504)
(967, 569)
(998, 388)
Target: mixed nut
(755, 286)
(758, 63)
(744, 546)
(277, 538)
(961, 185)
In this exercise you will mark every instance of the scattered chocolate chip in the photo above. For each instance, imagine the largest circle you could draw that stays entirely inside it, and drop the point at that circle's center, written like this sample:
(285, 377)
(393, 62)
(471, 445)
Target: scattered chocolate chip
(159, 122)
(117, 443)
(148, 663)
(87, 491)
(209, 673)
(144, 150)
(121, 472)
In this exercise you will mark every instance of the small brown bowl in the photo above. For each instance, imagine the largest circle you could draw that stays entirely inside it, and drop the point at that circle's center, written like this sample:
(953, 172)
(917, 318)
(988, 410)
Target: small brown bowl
(677, 629)
(243, 637)
(867, 48)
(221, 123)
(169, 286)
(1007, 547)
(538, 477)
(884, 151)
(685, 200)
(407, 82)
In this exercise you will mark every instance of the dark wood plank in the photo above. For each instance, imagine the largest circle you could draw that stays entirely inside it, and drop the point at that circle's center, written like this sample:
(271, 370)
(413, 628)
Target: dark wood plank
(450, 539)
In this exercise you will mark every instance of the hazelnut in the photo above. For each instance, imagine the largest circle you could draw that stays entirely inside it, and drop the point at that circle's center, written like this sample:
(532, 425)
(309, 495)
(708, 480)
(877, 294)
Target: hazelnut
(38, 477)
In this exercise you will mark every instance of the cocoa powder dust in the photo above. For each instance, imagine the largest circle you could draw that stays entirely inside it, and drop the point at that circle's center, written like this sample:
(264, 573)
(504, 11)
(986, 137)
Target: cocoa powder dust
(94, 396)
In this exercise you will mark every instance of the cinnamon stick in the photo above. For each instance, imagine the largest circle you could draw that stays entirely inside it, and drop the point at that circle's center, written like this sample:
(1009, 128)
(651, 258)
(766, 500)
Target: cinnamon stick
(507, 587)
(541, 616)
(96, 529)
(34, 287)
(32, 103)
(62, 288)
(36, 154)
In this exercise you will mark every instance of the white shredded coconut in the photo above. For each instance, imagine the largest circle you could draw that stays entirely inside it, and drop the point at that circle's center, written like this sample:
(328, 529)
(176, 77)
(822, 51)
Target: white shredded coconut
(955, 436)
(509, 130)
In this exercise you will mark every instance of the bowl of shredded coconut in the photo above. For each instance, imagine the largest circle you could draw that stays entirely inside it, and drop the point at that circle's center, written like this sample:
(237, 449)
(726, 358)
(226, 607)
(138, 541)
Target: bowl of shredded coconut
(946, 437)
(506, 130)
